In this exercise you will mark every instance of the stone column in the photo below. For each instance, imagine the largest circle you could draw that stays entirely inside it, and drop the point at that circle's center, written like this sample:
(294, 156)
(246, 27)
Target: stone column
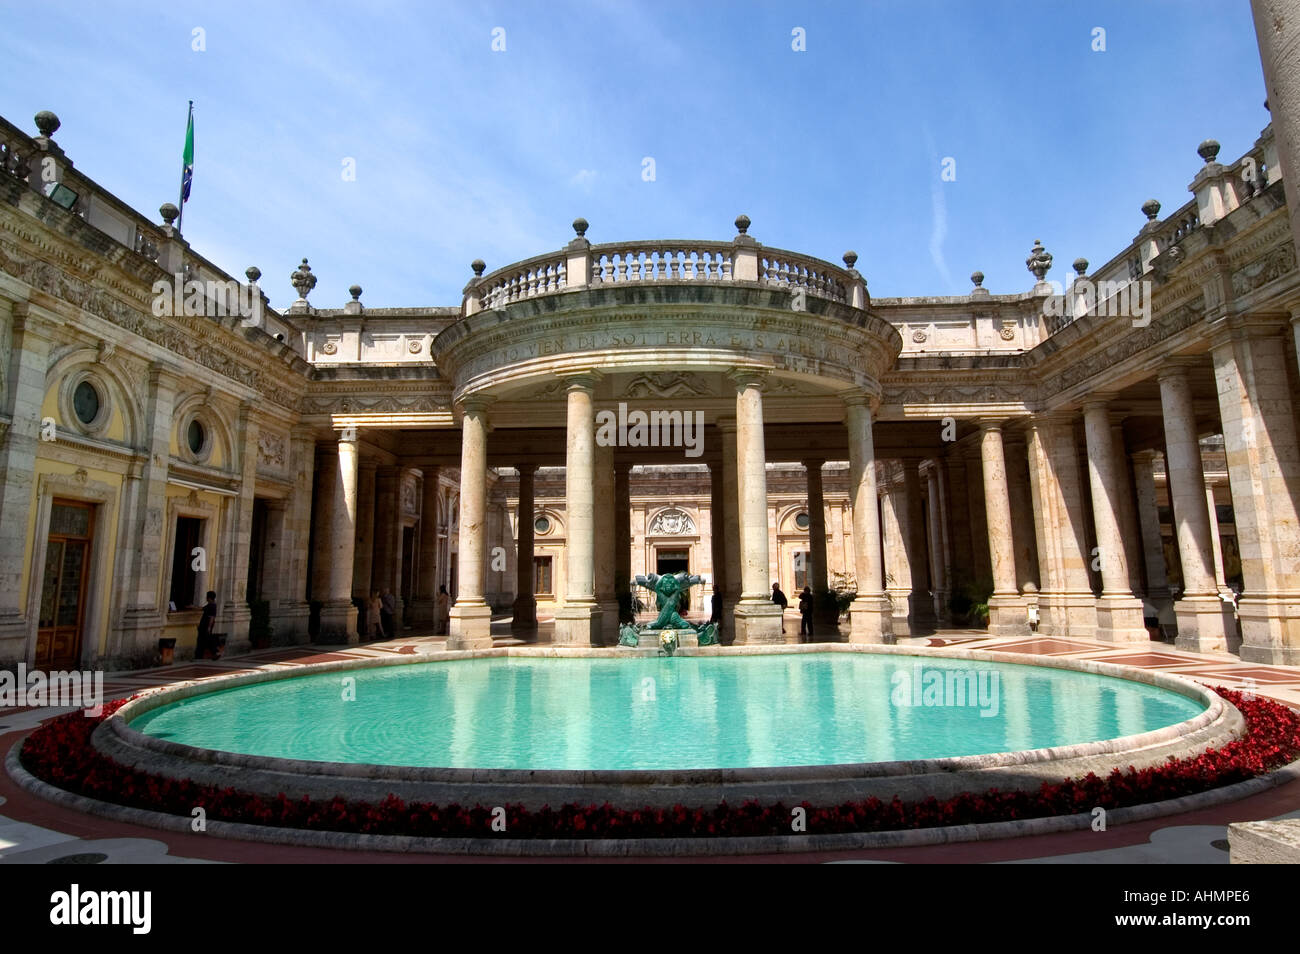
(758, 619)
(1008, 615)
(717, 535)
(1065, 601)
(870, 619)
(1119, 612)
(921, 613)
(623, 529)
(1212, 507)
(364, 560)
(525, 614)
(731, 524)
(235, 578)
(577, 622)
(1128, 522)
(424, 608)
(297, 610)
(338, 617)
(471, 619)
(825, 617)
(603, 522)
(897, 567)
(1200, 612)
(938, 570)
(1153, 550)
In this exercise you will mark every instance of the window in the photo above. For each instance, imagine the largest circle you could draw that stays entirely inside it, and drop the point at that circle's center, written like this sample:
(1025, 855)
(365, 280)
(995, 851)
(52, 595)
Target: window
(195, 436)
(542, 576)
(802, 521)
(185, 579)
(542, 524)
(85, 402)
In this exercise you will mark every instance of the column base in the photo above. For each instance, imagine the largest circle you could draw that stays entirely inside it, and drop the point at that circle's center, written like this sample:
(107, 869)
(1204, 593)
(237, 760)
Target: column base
(1008, 615)
(525, 613)
(1119, 620)
(758, 621)
(470, 626)
(338, 623)
(577, 624)
(1270, 629)
(871, 620)
(1204, 624)
(1067, 614)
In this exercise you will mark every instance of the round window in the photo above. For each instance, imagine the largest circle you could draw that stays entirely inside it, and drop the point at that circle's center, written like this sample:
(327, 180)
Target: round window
(542, 524)
(85, 402)
(194, 437)
(803, 521)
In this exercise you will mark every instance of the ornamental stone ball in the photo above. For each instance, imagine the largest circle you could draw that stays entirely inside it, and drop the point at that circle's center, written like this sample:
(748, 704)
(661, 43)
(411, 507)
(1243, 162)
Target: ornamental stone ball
(1039, 260)
(303, 280)
(742, 224)
(355, 292)
(1208, 150)
(1080, 266)
(977, 278)
(253, 273)
(1151, 208)
(47, 123)
(850, 258)
(168, 212)
(478, 265)
(580, 227)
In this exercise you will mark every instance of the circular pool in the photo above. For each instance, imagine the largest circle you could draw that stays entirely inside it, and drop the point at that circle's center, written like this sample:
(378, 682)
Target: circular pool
(696, 712)
(538, 726)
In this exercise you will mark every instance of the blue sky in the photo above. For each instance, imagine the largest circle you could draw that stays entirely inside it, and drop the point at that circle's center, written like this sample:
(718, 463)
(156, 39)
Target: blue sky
(463, 152)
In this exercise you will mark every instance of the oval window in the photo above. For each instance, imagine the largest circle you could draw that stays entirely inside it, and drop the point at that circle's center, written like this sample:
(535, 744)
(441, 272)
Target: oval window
(542, 524)
(802, 521)
(85, 402)
(194, 437)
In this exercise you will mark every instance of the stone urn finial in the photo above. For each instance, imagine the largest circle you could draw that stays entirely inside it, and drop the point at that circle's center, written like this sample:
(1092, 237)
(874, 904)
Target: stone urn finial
(977, 278)
(580, 227)
(303, 280)
(47, 123)
(1039, 260)
(355, 292)
(1208, 150)
(742, 224)
(850, 258)
(168, 212)
(253, 273)
(1080, 267)
(478, 265)
(1151, 209)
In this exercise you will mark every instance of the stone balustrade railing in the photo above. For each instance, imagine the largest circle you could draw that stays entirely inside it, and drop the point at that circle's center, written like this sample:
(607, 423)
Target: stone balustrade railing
(614, 264)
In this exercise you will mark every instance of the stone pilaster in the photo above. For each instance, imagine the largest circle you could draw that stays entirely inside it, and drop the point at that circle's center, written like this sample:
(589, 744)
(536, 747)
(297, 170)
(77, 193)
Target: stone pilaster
(388, 533)
(424, 607)
(819, 579)
(921, 612)
(525, 610)
(603, 522)
(234, 586)
(363, 562)
(870, 620)
(938, 561)
(730, 523)
(623, 529)
(1153, 551)
(893, 531)
(1022, 518)
(1127, 512)
(577, 622)
(758, 619)
(1008, 615)
(1202, 626)
(471, 620)
(338, 618)
(1119, 612)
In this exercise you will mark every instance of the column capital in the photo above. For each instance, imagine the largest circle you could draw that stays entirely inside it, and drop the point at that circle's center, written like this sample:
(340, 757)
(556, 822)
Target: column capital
(475, 403)
(582, 380)
(858, 398)
(1176, 367)
(992, 423)
(747, 377)
(1144, 456)
(813, 463)
(1099, 401)
(526, 469)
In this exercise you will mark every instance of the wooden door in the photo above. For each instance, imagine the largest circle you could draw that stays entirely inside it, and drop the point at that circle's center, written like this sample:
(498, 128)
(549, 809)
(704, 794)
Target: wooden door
(63, 586)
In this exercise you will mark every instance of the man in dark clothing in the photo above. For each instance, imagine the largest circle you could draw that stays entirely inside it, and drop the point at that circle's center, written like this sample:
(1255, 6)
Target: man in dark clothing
(806, 615)
(779, 599)
(207, 623)
(388, 612)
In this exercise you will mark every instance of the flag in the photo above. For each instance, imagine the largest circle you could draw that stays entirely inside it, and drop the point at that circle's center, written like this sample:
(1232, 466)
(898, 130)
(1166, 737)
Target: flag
(187, 158)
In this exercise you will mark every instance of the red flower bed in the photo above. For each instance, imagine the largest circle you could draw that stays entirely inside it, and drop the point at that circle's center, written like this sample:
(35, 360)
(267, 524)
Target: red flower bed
(60, 753)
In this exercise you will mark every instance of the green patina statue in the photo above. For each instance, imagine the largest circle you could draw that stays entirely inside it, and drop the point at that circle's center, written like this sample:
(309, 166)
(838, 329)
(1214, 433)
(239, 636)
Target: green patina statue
(667, 589)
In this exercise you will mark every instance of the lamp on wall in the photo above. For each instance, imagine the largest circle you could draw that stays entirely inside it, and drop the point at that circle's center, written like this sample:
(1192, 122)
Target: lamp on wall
(61, 195)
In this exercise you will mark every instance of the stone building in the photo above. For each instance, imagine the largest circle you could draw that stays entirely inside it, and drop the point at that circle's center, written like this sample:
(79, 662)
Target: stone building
(1104, 457)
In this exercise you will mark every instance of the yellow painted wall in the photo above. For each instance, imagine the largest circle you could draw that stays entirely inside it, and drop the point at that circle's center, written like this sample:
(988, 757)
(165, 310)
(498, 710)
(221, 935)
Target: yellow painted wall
(116, 430)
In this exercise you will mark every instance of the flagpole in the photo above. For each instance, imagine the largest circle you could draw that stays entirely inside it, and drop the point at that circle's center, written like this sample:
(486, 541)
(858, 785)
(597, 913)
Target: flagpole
(189, 122)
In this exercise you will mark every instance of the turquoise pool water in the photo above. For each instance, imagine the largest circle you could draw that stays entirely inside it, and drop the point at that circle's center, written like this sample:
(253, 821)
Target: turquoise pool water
(660, 713)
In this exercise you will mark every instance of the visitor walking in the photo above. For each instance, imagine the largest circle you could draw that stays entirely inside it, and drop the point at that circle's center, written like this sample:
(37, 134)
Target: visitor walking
(779, 599)
(444, 610)
(388, 612)
(207, 623)
(715, 614)
(806, 615)
(374, 611)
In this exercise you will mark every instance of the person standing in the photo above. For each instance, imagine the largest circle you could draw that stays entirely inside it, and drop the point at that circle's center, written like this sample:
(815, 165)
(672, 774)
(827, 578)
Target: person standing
(388, 612)
(207, 623)
(715, 615)
(374, 613)
(779, 599)
(806, 615)
(444, 610)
